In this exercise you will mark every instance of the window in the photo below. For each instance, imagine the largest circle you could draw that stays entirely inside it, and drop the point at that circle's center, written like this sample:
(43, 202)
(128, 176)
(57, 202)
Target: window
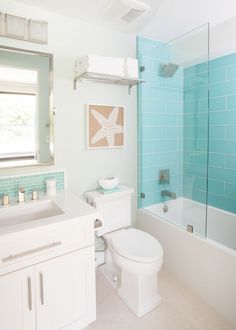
(18, 114)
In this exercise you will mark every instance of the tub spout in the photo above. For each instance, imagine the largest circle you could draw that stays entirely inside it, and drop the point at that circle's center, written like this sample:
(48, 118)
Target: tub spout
(168, 193)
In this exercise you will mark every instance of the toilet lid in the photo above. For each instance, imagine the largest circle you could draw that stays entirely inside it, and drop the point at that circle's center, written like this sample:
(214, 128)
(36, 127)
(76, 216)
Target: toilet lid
(136, 245)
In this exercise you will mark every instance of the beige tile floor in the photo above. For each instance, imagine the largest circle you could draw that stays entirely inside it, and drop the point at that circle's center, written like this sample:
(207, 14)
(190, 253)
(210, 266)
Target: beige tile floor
(180, 310)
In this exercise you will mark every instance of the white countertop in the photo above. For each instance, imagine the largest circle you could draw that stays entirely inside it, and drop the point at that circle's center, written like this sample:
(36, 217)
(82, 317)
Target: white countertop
(72, 206)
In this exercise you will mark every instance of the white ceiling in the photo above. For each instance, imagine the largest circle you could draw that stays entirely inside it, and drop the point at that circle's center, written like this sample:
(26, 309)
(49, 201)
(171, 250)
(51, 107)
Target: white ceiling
(91, 11)
(166, 20)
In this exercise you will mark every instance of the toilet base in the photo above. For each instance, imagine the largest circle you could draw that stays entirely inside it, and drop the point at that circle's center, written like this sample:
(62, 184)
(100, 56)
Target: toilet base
(139, 292)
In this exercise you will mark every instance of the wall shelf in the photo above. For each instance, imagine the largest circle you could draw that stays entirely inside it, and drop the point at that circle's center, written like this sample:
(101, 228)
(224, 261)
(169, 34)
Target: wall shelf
(107, 79)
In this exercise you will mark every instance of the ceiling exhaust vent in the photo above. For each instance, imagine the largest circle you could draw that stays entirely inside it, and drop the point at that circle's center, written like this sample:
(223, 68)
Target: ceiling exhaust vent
(125, 10)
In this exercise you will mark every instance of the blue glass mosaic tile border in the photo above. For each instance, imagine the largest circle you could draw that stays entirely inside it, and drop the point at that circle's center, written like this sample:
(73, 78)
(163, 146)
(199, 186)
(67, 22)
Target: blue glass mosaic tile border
(10, 185)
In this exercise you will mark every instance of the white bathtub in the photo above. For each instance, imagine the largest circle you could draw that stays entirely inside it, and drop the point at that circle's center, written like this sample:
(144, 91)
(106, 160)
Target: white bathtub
(208, 268)
(209, 221)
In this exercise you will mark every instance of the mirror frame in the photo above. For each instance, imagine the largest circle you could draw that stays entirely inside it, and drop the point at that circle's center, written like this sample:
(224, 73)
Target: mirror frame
(51, 109)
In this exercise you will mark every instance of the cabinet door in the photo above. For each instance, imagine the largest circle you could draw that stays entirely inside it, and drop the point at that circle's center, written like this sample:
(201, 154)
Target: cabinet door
(65, 290)
(17, 300)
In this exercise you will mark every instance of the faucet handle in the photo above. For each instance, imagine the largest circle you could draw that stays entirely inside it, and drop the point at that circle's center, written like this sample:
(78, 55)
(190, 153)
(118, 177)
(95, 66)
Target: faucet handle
(35, 195)
(164, 176)
(21, 194)
(5, 200)
(21, 190)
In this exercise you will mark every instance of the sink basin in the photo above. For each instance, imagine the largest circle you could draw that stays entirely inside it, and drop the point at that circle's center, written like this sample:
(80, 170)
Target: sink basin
(14, 215)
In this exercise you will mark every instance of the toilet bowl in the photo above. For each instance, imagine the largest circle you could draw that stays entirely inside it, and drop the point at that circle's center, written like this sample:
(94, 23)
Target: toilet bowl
(136, 251)
(133, 258)
(138, 258)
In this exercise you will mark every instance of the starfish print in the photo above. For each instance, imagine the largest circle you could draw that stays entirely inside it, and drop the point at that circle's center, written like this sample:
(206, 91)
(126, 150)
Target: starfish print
(109, 127)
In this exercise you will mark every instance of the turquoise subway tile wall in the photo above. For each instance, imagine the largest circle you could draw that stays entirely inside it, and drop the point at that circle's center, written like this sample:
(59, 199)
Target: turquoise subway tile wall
(10, 185)
(222, 132)
(160, 122)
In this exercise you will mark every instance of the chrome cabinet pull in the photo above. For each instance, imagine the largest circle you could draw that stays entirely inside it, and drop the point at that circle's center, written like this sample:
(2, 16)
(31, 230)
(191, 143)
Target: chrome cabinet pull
(29, 293)
(29, 252)
(41, 288)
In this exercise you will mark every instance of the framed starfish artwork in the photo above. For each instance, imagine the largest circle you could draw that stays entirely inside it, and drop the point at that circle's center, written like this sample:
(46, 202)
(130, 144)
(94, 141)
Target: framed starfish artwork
(105, 126)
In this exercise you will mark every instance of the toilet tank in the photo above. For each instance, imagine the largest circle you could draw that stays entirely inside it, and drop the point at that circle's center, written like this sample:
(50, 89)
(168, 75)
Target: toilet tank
(114, 208)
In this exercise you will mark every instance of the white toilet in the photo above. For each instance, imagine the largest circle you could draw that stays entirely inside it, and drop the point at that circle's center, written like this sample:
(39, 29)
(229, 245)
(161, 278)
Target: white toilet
(133, 257)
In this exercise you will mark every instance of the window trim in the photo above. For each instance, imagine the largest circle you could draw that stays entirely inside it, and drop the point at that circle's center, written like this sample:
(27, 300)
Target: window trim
(51, 109)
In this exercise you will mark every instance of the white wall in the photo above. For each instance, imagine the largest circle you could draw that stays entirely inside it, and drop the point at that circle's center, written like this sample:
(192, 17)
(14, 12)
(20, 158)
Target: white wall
(193, 48)
(175, 17)
(222, 38)
(69, 39)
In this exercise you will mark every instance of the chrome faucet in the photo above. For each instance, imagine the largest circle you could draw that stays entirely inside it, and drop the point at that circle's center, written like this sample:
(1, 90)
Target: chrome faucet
(168, 193)
(21, 194)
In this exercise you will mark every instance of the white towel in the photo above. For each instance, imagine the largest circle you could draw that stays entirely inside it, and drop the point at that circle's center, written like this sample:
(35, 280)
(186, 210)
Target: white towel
(131, 68)
(102, 64)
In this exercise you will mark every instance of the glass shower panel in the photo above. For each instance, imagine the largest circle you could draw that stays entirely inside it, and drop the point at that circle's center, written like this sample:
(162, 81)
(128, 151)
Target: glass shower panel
(221, 211)
(173, 129)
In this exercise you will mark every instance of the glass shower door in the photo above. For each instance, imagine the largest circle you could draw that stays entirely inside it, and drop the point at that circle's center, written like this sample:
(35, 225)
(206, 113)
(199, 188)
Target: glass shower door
(173, 129)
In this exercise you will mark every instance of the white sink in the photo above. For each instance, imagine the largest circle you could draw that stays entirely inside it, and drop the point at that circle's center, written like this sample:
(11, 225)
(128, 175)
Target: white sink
(14, 215)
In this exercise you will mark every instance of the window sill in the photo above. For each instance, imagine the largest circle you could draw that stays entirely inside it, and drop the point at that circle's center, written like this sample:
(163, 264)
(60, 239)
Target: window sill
(18, 163)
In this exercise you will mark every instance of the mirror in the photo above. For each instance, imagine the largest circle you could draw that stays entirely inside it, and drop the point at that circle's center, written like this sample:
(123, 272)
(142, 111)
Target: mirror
(26, 110)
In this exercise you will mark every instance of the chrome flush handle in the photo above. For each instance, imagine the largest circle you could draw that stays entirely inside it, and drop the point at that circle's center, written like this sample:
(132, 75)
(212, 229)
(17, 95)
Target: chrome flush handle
(97, 223)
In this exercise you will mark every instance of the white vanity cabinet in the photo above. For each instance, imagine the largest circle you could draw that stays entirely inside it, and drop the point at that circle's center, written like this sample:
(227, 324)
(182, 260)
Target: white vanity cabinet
(64, 288)
(17, 307)
(55, 294)
(47, 274)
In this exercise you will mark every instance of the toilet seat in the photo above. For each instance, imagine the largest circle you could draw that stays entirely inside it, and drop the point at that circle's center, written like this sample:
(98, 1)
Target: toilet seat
(136, 245)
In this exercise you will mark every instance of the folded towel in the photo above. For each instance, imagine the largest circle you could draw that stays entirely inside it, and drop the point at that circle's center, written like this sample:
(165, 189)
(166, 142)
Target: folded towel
(131, 68)
(102, 64)
(107, 191)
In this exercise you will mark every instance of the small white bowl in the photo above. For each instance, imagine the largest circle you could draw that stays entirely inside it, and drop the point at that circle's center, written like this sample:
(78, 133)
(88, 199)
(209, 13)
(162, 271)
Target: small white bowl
(108, 183)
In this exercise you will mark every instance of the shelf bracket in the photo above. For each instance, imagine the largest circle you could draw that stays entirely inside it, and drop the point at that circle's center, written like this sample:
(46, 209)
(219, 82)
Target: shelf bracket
(129, 89)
